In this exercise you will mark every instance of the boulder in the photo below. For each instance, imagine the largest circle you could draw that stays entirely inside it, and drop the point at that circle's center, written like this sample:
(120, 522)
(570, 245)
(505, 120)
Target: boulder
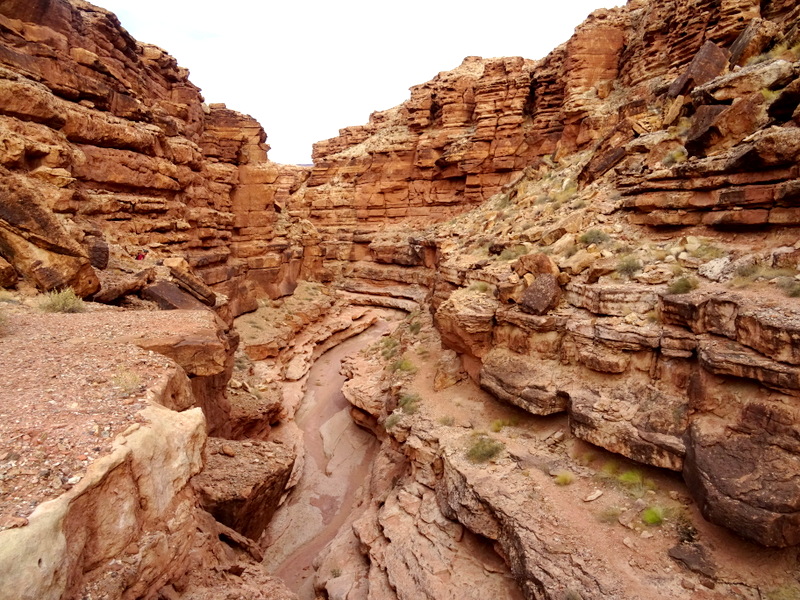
(542, 296)
(242, 482)
(522, 381)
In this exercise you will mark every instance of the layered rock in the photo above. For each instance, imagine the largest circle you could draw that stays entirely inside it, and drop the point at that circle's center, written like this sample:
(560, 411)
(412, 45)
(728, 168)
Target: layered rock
(107, 142)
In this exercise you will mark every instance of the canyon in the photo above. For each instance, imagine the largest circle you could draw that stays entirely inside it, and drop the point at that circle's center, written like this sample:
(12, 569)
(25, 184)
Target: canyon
(534, 333)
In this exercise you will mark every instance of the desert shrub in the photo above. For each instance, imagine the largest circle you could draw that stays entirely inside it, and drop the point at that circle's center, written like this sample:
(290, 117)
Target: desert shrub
(636, 484)
(609, 515)
(447, 420)
(498, 424)
(594, 236)
(392, 420)
(484, 449)
(675, 157)
(336, 572)
(628, 266)
(409, 403)
(128, 382)
(684, 285)
(707, 252)
(563, 478)
(389, 347)
(790, 286)
(513, 252)
(3, 322)
(415, 327)
(479, 286)
(404, 365)
(65, 301)
(653, 515)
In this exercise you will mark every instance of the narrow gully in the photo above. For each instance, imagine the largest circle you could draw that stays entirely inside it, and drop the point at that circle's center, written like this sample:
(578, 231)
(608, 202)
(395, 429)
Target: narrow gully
(338, 457)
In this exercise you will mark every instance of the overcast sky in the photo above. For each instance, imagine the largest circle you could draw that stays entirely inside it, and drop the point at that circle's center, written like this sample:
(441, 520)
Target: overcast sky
(305, 69)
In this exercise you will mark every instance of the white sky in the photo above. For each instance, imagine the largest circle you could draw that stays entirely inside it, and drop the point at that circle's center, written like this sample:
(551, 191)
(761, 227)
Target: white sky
(305, 69)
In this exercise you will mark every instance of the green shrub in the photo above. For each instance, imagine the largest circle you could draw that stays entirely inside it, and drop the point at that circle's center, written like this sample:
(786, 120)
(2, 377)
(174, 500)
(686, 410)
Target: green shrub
(653, 515)
(563, 478)
(447, 420)
(65, 301)
(392, 420)
(404, 365)
(415, 327)
(484, 449)
(594, 236)
(684, 285)
(628, 266)
(409, 403)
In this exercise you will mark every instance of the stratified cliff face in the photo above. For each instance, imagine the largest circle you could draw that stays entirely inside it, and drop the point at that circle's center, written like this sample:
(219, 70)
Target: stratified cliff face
(106, 142)
(653, 153)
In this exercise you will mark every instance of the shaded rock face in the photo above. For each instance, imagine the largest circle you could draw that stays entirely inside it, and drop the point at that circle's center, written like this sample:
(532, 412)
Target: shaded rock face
(106, 141)
(242, 483)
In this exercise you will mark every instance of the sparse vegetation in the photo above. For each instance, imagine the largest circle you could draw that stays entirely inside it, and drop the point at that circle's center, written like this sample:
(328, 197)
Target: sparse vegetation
(484, 449)
(513, 252)
(687, 532)
(404, 365)
(498, 424)
(447, 421)
(653, 515)
(594, 236)
(563, 478)
(480, 286)
(336, 572)
(684, 285)
(707, 252)
(610, 515)
(675, 157)
(409, 403)
(3, 322)
(415, 327)
(389, 347)
(636, 484)
(65, 301)
(128, 382)
(790, 286)
(392, 420)
(628, 266)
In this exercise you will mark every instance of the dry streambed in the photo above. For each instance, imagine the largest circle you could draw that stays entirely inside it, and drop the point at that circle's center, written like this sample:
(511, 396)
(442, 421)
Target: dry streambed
(338, 457)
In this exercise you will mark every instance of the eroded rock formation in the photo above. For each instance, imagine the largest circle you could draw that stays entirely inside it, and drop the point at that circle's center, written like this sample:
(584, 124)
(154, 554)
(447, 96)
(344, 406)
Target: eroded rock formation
(617, 278)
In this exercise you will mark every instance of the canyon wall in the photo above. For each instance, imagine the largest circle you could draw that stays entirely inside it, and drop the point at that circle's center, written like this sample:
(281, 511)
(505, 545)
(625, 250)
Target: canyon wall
(615, 241)
(108, 149)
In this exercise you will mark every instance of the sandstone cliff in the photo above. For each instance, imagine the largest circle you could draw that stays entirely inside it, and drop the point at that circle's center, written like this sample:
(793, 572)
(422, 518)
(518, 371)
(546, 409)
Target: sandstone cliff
(108, 149)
